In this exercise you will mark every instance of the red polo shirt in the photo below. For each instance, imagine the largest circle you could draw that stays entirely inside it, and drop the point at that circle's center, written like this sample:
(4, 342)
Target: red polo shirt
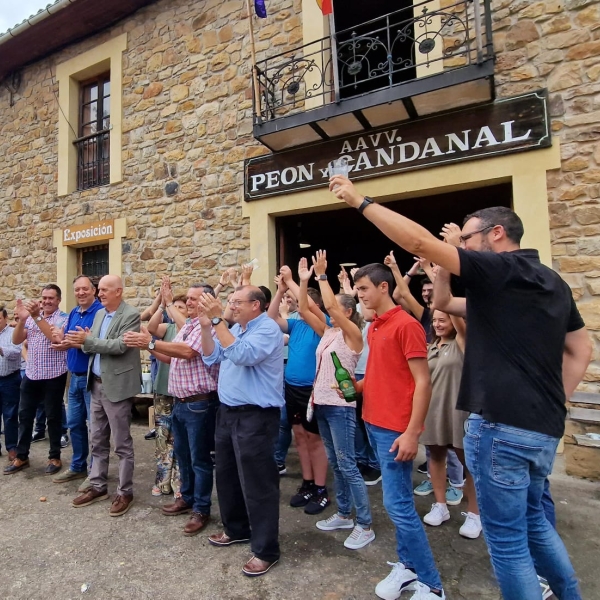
(394, 338)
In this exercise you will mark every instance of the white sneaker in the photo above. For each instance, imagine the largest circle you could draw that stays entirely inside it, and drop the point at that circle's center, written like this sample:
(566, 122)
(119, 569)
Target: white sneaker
(437, 515)
(546, 591)
(423, 592)
(396, 582)
(359, 538)
(471, 528)
(335, 522)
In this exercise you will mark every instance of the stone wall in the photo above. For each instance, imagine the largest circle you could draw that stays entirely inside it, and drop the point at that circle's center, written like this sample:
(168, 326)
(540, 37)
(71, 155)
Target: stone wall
(555, 44)
(187, 118)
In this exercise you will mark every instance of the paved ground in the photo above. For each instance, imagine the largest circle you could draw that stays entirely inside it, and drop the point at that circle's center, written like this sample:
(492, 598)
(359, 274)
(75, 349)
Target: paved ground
(49, 549)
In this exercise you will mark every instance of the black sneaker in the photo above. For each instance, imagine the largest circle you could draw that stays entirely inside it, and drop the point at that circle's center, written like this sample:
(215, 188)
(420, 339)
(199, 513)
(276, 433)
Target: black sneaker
(371, 476)
(422, 468)
(303, 496)
(150, 435)
(281, 468)
(317, 504)
(38, 436)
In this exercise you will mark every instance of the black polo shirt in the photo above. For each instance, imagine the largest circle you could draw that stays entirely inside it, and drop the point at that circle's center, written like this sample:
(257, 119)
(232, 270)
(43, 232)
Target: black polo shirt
(518, 314)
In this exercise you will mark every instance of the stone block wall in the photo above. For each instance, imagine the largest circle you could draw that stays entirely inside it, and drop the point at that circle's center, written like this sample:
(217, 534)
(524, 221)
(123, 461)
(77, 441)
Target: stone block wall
(555, 44)
(187, 120)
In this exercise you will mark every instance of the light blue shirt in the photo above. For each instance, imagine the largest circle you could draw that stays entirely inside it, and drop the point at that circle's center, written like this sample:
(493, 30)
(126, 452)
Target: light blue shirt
(103, 329)
(252, 367)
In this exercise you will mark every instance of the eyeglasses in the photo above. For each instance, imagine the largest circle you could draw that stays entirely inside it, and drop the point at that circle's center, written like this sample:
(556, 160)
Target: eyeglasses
(236, 303)
(468, 236)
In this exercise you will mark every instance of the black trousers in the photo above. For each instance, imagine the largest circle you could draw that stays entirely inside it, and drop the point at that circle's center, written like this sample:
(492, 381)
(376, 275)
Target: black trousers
(50, 392)
(247, 476)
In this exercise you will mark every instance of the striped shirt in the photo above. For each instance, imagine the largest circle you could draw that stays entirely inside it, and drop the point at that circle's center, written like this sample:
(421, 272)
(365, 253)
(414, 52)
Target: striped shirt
(190, 377)
(42, 361)
(10, 361)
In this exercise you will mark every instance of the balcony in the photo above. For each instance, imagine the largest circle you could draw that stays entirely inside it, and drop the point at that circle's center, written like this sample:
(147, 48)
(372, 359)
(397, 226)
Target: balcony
(433, 56)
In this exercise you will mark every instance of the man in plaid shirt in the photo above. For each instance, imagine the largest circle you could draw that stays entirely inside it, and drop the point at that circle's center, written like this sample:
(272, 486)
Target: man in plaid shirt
(194, 388)
(45, 375)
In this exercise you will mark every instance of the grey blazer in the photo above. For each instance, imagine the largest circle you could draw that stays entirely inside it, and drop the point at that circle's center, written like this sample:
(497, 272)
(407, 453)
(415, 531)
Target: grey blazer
(120, 366)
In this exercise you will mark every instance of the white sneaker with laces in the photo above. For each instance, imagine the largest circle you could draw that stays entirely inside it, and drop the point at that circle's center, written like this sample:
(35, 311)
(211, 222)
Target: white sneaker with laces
(359, 538)
(424, 592)
(437, 515)
(471, 528)
(335, 522)
(399, 579)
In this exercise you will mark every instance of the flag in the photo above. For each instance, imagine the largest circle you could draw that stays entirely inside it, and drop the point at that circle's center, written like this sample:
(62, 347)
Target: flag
(260, 8)
(326, 6)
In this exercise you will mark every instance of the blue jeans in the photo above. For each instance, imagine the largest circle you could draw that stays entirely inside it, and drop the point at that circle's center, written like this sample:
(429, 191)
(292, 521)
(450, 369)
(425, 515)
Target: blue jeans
(78, 417)
(454, 468)
(9, 408)
(193, 426)
(285, 438)
(411, 542)
(337, 425)
(365, 455)
(510, 466)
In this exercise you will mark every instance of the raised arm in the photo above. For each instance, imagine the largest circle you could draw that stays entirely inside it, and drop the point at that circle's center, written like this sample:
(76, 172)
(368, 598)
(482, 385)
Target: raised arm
(304, 273)
(352, 334)
(20, 333)
(156, 327)
(402, 294)
(286, 273)
(443, 299)
(273, 310)
(147, 314)
(167, 299)
(406, 233)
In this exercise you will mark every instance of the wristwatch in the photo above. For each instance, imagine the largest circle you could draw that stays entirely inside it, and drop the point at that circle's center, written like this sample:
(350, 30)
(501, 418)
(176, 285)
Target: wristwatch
(39, 318)
(215, 321)
(322, 277)
(151, 344)
(365, 203)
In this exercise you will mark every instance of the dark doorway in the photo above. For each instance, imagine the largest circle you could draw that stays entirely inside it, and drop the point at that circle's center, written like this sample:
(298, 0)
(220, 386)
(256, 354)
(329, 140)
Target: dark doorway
(374, 44)
(350, 238)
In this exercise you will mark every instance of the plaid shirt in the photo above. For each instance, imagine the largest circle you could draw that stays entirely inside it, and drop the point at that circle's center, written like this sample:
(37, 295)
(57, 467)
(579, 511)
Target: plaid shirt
(190, 377)
(10, 361)
(42, 361)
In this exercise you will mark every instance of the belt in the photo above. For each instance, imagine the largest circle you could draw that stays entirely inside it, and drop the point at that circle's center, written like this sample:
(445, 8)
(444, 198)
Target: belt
(83, 373)
(10, 374)
(96, 378)
(248, 407)
(198, 397)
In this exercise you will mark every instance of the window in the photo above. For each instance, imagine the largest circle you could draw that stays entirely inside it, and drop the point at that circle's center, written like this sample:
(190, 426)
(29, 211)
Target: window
(93, 144)
(93, 262)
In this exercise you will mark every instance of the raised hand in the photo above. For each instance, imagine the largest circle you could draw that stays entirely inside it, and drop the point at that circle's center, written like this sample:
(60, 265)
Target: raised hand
(166, 291)
(286, 273)
(284, 309)
(247, 273)
(225, 279)
(353, 272)
(280, 283)
(390, 260)
(342, 276)
(210, 305)
(304, 272)
(21, 311)
(451, 234)
(320, 262)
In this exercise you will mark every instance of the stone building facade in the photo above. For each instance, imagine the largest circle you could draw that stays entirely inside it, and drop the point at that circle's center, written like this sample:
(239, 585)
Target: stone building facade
(187, 122)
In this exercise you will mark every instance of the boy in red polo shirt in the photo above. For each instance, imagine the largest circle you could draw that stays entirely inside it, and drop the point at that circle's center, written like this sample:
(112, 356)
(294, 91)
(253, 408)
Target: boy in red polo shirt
(396, 391)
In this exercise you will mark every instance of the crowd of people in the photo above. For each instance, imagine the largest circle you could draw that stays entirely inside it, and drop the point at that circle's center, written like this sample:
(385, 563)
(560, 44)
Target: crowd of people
(480, 379)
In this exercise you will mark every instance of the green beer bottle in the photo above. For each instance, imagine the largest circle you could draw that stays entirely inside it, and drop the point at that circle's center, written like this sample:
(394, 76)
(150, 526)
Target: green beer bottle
(344, 380)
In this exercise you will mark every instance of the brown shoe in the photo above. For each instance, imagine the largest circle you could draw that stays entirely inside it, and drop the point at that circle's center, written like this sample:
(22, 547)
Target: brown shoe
(255, 567)
(196, 524)
(54, 466)
(222, 539)
(179, 507)
(12, 454)
(89, 497)
(120, 505)
(16, 466)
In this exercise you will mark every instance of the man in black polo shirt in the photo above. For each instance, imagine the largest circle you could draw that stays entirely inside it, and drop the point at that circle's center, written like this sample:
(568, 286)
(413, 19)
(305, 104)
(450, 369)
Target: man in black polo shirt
(526, 351)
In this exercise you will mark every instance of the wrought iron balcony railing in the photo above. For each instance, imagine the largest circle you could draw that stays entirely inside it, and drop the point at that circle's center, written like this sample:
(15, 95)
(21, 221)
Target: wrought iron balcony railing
(427, 38)
(93, 160)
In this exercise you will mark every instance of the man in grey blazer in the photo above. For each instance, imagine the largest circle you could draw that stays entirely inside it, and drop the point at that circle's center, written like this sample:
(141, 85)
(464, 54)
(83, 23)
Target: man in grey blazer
(114, 377)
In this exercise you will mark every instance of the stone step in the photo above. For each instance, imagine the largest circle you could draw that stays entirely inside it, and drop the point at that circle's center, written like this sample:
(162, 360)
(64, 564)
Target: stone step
(589, 415)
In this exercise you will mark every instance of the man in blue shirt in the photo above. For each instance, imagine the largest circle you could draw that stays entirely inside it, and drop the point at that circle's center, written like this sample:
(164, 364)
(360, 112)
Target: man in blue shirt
(250, 390)
(79, 397)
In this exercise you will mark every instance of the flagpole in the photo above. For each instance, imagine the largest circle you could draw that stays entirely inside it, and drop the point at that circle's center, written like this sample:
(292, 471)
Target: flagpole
(254, 67)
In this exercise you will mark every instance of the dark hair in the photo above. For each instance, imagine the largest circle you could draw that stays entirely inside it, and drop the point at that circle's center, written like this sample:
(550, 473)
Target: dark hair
(316, 297)
(500, 215)
(348, 301)
(378, 274)
(179, 298)
(425, 281)
(205, 287)
(53, 286)
(255, 294)
(85, 277)
(3, 311)
(267, 292)
(435, 338)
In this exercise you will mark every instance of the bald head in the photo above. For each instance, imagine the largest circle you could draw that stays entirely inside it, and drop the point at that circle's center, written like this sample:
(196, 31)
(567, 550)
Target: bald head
(110, 292)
